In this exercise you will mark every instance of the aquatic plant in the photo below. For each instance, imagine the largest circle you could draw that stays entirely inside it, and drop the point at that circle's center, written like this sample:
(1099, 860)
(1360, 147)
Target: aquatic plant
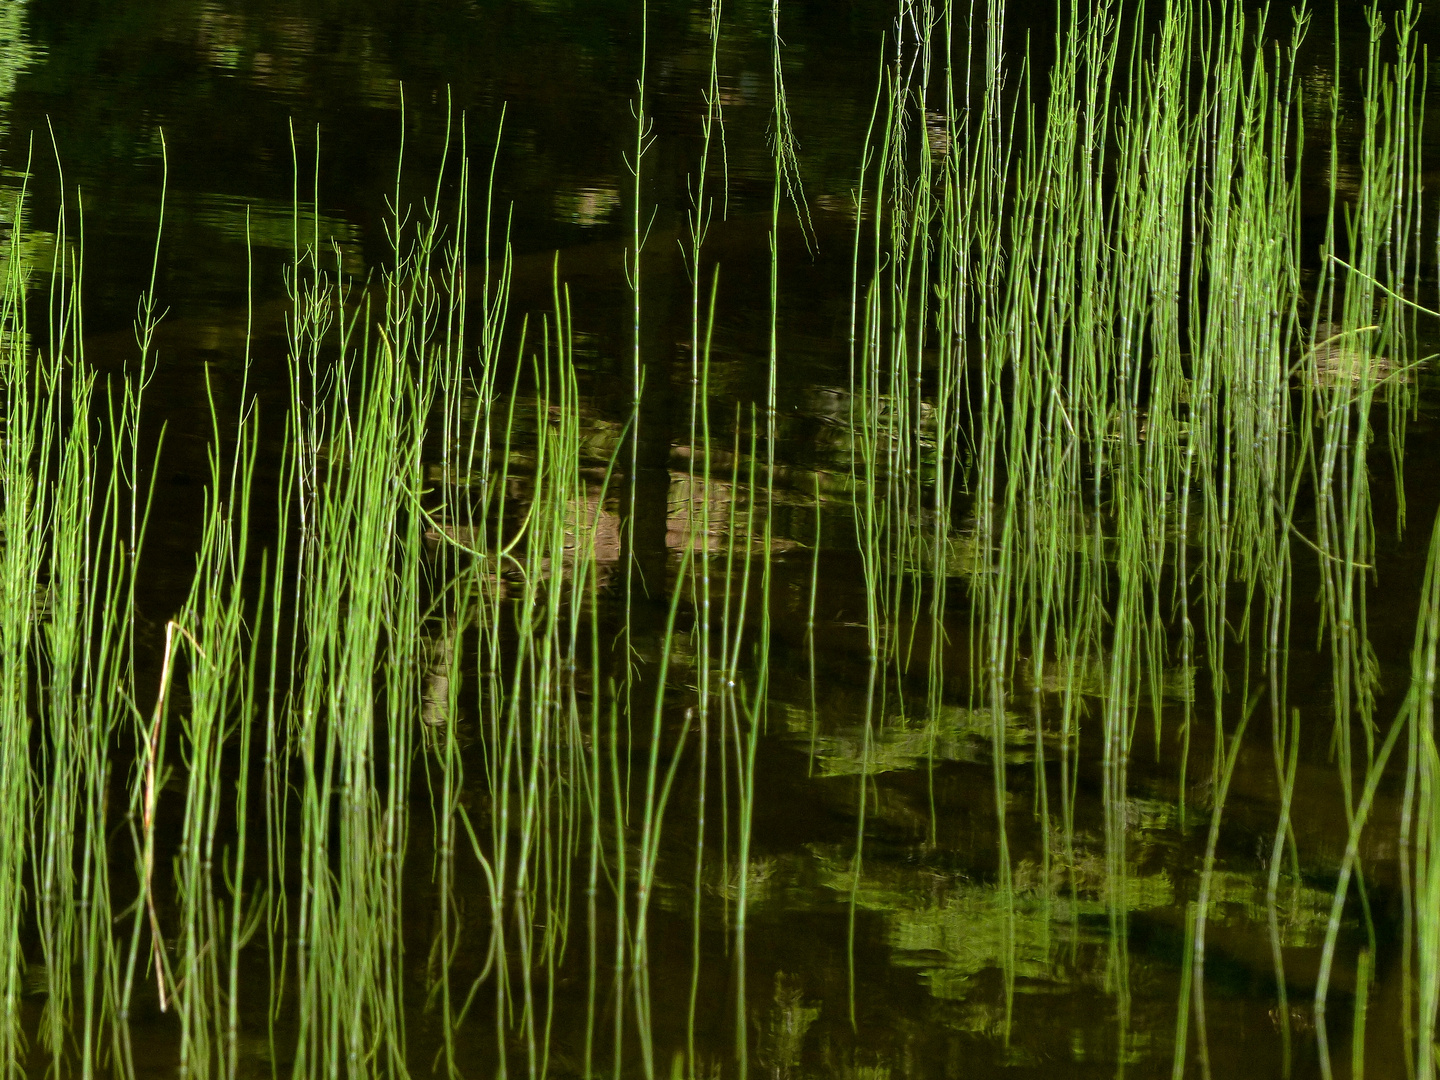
(1103, 413)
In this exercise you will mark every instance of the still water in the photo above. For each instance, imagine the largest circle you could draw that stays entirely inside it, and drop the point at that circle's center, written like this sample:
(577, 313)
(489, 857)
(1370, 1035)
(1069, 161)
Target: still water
(881, 938)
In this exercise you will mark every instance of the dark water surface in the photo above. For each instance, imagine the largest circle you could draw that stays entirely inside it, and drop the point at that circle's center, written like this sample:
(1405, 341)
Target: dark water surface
(915, 967)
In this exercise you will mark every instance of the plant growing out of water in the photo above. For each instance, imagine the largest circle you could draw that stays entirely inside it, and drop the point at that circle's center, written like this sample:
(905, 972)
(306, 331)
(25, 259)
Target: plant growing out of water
(1104, 412)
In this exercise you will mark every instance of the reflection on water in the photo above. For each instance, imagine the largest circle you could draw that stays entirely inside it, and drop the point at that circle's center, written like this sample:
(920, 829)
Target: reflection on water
(588, 206)
(17, 52)
(909, 881)
(17, 55)
(277, 51)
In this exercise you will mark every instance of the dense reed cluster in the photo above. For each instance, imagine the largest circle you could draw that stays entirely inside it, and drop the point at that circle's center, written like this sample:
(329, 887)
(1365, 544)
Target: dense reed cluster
(429, 774)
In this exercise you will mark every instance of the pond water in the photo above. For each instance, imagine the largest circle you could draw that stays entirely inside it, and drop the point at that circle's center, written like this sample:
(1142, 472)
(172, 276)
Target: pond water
(904, 834)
